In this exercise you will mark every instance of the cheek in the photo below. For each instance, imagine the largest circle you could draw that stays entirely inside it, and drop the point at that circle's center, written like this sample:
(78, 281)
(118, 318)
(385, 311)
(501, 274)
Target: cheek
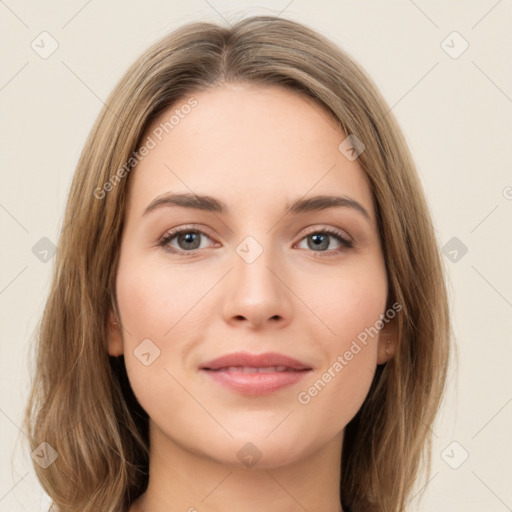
(350, 306)
(153, 298)
(144, 297)
(356, 310)
(349, 303)
(160, 310)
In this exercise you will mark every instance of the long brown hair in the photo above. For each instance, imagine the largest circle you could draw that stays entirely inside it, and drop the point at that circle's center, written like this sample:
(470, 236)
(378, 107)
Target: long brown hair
(81, 402)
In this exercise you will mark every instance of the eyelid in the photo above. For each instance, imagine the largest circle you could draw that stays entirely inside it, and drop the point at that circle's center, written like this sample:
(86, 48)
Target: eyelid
(329, 229)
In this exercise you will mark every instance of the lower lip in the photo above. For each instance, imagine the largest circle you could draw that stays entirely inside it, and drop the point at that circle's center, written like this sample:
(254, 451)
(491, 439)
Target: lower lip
(256, 383)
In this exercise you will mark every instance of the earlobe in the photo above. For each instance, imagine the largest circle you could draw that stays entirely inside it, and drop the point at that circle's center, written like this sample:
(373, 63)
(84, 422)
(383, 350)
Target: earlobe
(388, 338)
(386, 350)
(115, 339)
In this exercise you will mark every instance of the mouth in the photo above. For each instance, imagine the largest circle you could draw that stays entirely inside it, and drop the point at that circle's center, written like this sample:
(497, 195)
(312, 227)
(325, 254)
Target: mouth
(271, 360)
(259, 369)
(250, 374)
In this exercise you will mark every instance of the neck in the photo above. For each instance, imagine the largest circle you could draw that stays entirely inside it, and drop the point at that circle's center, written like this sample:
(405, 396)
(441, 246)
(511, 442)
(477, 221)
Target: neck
(180, 480)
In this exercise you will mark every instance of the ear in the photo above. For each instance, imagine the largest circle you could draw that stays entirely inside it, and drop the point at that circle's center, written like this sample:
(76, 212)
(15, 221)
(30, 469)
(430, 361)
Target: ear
(115, 339)
(388, 339)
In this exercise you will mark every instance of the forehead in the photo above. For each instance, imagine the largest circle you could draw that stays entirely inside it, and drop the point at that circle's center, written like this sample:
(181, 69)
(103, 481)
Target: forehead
(246, 144)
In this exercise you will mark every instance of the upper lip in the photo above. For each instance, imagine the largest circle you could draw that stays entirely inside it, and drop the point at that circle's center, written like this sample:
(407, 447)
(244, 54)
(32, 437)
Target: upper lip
(266, 359)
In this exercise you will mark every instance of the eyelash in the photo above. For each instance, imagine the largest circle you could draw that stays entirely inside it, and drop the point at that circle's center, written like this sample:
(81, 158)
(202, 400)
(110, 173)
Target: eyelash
(345, 242)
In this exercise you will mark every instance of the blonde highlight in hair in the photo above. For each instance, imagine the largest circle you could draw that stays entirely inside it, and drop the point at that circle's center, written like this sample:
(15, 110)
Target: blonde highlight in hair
(81, 402)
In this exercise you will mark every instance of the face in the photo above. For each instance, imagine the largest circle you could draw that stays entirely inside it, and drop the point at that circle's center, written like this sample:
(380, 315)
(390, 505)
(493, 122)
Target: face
(245, 271)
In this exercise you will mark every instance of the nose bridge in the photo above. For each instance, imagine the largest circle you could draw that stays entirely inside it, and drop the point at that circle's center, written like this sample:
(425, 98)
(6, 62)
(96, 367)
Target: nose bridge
(254, 259)
(255, 291)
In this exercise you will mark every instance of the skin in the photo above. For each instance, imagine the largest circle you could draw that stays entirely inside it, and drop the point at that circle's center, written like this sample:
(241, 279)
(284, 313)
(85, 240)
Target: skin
(254, 148)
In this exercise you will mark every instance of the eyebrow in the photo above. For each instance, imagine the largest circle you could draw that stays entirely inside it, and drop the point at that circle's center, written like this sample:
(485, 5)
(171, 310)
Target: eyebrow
(211, 204)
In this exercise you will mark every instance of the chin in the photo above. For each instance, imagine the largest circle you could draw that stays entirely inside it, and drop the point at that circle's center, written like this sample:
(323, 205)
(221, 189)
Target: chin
(257, 451)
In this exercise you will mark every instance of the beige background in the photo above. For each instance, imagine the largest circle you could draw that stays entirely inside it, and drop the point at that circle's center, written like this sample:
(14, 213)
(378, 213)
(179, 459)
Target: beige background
(455, 112)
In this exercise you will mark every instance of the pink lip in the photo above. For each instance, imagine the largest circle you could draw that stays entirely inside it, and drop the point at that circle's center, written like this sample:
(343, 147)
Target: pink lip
(255, 383)
(255, 360)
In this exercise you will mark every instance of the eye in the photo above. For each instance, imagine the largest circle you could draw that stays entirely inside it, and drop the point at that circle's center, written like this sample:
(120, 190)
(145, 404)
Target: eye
(319, 240)
(187, 239)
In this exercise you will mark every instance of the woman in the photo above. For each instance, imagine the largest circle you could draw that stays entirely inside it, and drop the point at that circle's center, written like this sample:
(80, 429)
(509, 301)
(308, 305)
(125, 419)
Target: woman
(294, 356)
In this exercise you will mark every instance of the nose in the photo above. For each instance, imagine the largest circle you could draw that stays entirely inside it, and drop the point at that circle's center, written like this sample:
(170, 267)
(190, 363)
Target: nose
(257, 292)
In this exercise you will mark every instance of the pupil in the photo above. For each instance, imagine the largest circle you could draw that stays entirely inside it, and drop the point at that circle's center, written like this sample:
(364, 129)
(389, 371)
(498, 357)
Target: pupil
(190, 238)
(320, 241)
